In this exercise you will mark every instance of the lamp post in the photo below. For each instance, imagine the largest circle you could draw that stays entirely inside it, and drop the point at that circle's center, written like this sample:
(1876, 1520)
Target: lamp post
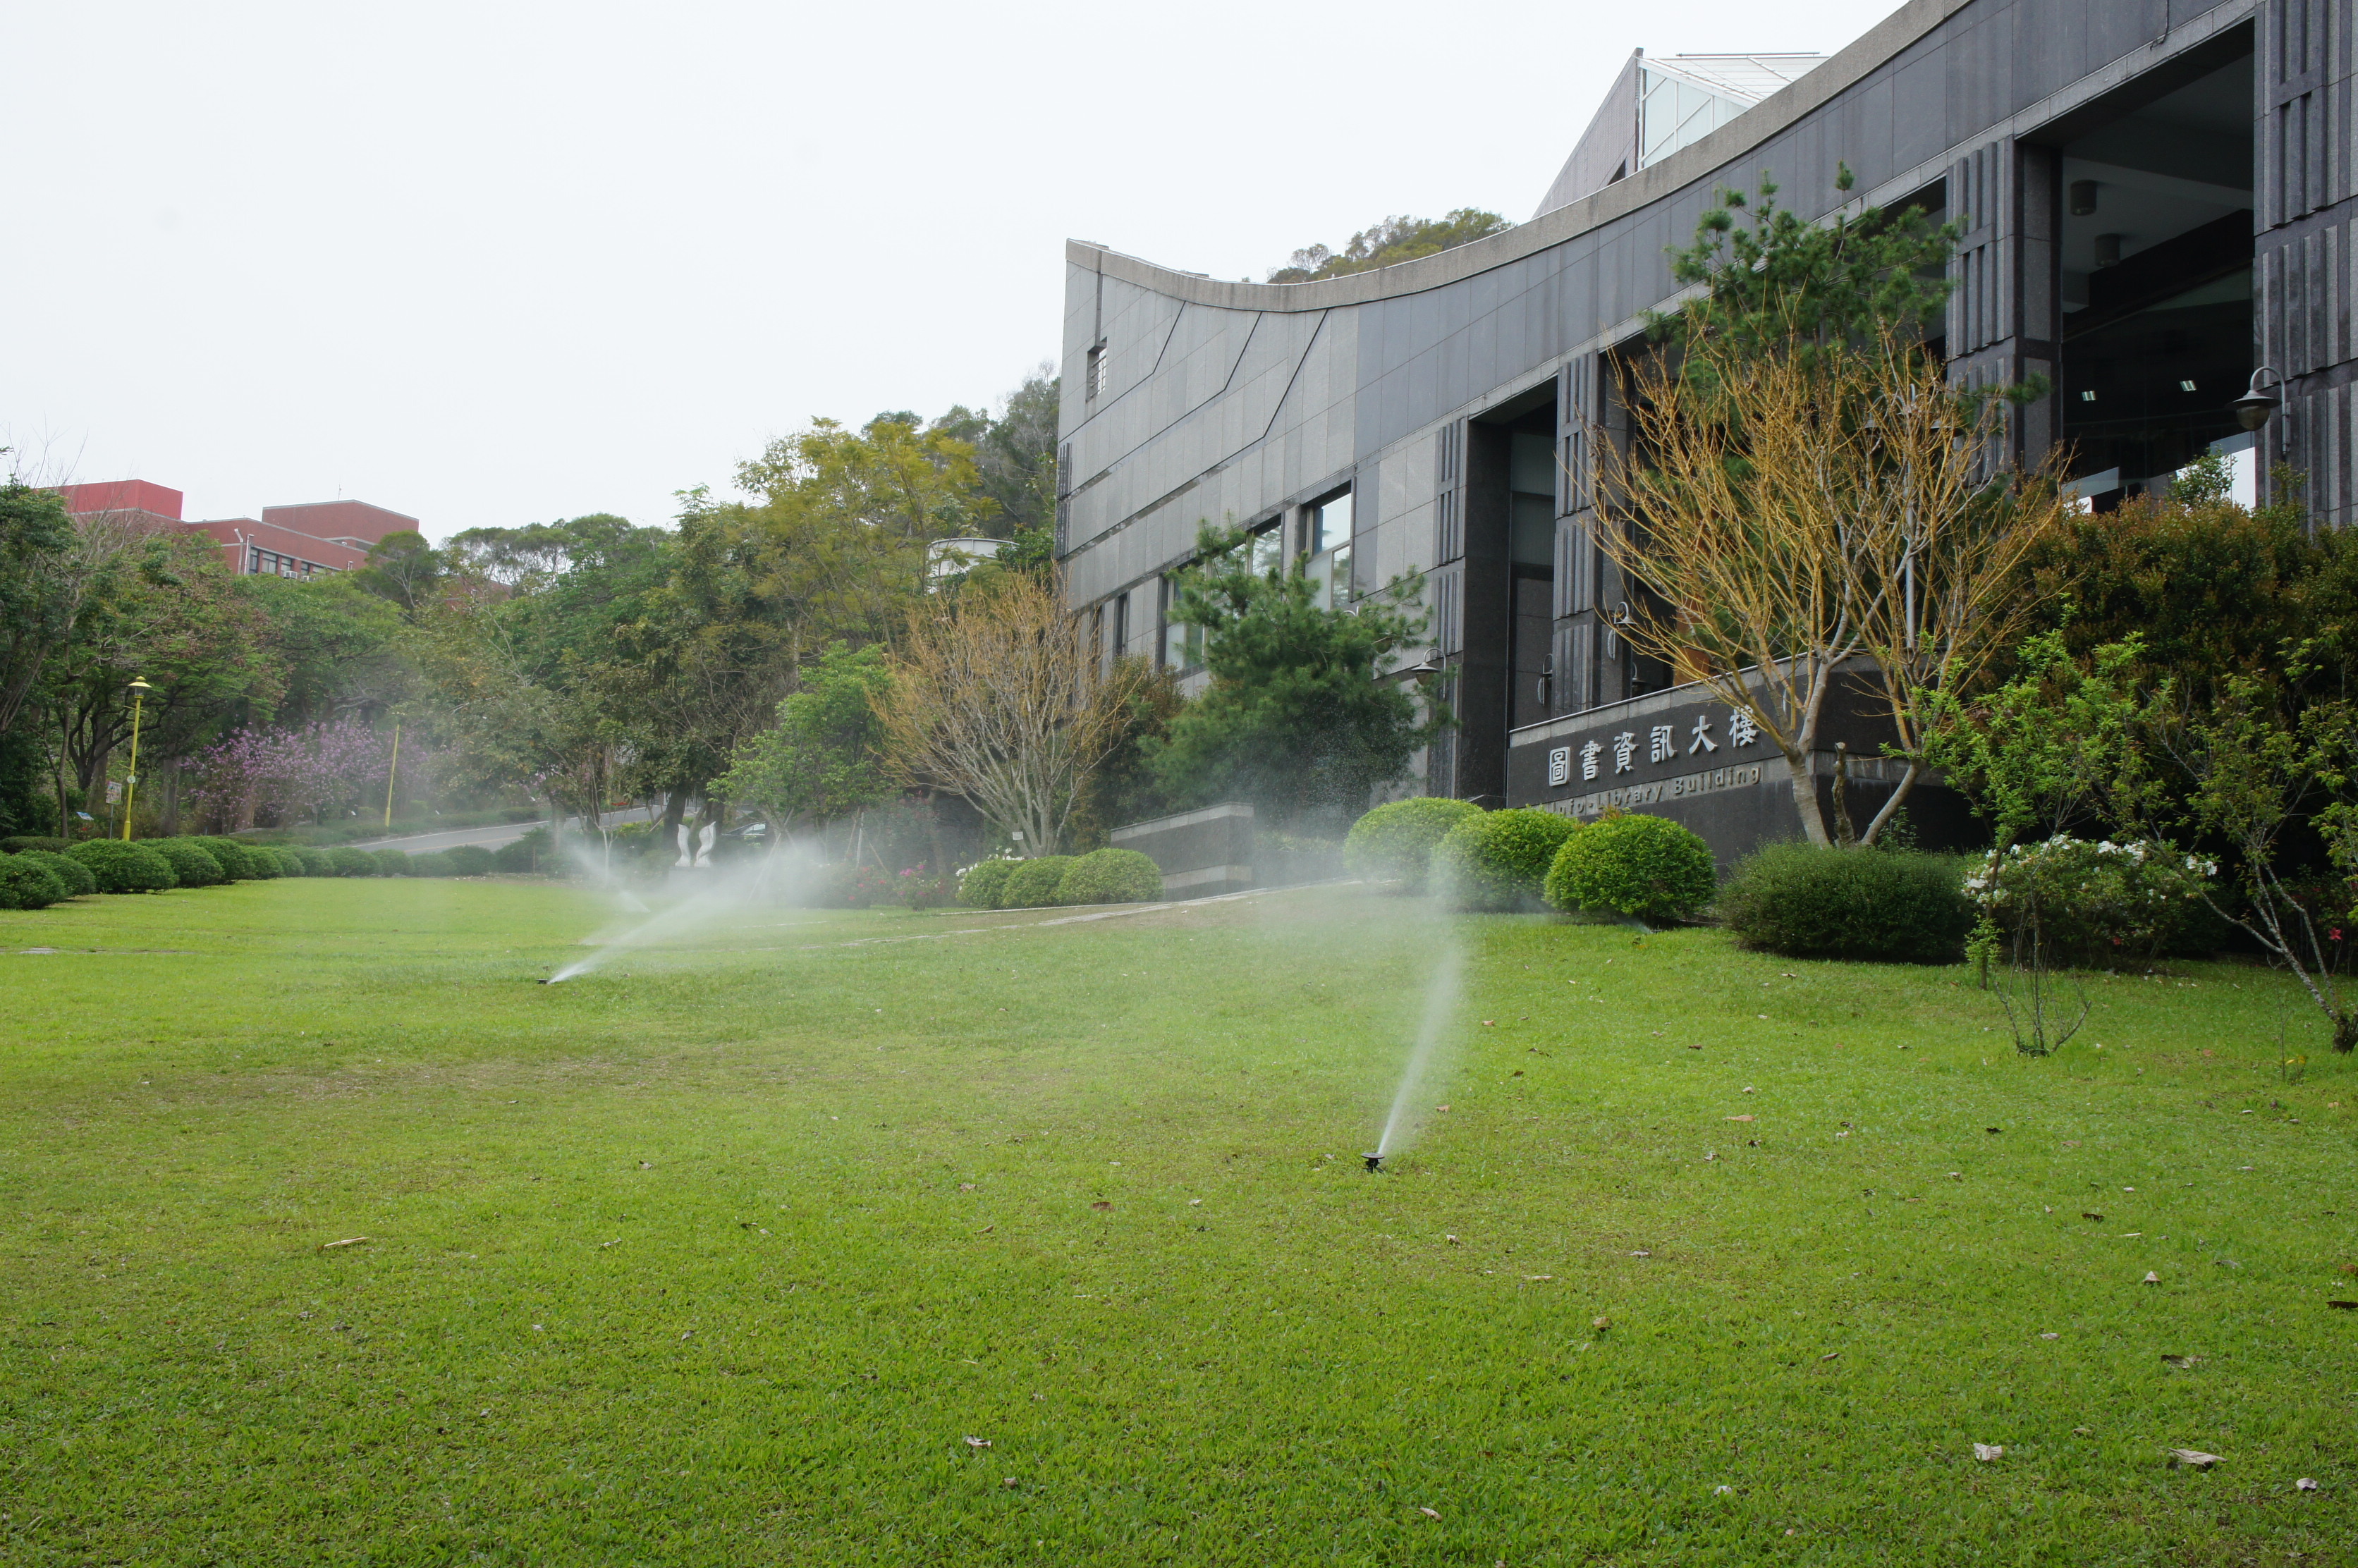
(392, 773)
(139, 690)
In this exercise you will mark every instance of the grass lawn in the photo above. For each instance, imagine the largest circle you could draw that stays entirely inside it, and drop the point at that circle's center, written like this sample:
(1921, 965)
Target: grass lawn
(1049, 1244)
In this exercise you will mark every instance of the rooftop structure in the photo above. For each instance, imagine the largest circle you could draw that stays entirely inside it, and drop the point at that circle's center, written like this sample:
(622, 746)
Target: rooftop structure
(1658, 105)
(285, 541)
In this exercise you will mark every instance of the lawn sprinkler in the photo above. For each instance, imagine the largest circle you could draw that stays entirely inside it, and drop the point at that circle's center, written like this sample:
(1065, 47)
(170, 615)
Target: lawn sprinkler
(1375, 1162)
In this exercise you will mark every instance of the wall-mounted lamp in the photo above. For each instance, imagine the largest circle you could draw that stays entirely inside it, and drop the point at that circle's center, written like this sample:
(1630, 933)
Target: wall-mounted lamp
(2252, 409)
(1423, 669)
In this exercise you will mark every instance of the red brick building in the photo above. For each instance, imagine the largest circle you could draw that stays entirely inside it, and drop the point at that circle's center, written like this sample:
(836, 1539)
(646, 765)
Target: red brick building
(285, 541)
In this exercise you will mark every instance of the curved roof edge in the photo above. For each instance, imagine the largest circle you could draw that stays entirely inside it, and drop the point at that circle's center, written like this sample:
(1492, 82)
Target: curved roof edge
(1731, 141)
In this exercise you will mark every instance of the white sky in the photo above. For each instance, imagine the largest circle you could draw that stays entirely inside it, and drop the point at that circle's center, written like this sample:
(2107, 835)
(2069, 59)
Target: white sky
(499, 263)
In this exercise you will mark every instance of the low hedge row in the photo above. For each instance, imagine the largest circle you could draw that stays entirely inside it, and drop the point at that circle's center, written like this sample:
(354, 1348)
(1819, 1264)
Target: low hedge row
(1800, 900)
(1101, 876)
(33, 876)
(1525, 859)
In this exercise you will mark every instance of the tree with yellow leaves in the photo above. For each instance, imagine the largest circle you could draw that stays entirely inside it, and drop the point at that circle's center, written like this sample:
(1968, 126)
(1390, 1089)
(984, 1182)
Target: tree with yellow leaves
(1807, 521)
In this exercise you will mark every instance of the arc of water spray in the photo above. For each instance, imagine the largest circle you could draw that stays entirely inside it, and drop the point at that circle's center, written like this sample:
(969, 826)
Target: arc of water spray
(716, 897)
(1440, 1008)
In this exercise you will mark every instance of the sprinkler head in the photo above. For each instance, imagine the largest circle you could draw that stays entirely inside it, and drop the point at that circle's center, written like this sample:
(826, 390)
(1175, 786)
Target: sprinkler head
(1375, 1163)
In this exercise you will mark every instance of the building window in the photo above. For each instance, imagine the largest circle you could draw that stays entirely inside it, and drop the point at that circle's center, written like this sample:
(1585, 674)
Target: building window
(1095, 376)
(1267, 548)
(1183, 643)
(1329, 522)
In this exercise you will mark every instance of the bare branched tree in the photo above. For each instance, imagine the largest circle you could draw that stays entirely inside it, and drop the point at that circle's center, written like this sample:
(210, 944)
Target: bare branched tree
(1807, 521)
(998, 695)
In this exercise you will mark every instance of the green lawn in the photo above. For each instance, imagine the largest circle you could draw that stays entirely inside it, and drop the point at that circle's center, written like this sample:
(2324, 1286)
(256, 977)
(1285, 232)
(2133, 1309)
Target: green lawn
(727, 1253)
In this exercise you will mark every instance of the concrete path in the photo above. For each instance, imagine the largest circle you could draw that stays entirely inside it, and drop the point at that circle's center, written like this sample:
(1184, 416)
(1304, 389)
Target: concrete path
(494, 837)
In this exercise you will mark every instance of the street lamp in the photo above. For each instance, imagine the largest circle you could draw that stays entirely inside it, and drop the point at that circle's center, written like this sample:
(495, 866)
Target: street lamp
(139, 690)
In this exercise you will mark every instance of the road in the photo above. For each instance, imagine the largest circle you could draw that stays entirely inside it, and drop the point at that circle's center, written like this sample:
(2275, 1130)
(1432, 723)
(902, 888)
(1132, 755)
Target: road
(490, 837)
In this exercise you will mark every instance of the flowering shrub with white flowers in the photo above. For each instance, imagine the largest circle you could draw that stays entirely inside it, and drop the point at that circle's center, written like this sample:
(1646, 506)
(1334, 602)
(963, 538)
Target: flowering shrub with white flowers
(2087, 902)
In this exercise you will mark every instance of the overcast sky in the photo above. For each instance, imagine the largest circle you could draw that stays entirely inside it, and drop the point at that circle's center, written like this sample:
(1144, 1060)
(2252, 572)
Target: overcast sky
(493, 263)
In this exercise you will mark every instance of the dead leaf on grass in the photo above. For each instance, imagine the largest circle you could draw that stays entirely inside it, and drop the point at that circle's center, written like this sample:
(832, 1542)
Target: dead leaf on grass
(2181, 1360)
(2192, 1458)
(1427, 1512)
(1101, 1203)
(2345, 1306)
(2097, 1218)
(2305, 1483)
(1743, 1117)
(1601, 1324)
(978, 1442)
(1986, 1451)
(347, 1241)
(2151, 1278)
(1829, 1354)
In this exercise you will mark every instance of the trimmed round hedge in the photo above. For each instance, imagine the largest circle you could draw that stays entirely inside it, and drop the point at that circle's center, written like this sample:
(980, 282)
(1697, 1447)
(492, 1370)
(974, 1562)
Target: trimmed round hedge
(316, 862)
(1810, 901)
(346, 862)
(1499, 860)
(470, 861)
(121, 867)
(25, 883)
(984, 885)
(1394, 842)
(431, 863)
(1033, 885)
(391, 863)
(1647, 867)
(66, 869)
(24, 842)
(1111, 876)
(236, 859)
(191, 863)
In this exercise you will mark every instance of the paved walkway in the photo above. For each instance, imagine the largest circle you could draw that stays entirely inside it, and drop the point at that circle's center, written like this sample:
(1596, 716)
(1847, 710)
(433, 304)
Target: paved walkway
(492, 838)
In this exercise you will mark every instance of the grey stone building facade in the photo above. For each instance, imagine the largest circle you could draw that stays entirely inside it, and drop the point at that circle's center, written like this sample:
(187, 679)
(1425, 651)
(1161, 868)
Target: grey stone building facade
(2157, 198)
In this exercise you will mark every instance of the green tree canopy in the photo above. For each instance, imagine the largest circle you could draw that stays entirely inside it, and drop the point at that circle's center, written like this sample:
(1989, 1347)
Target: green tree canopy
(1391, 241)
(824, 757)
(403, 568)
(1299, 718)
(1777, 281)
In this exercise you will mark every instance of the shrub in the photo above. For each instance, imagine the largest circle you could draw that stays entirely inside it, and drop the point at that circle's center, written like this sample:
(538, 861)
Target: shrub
(2095, 904)
(1033, 885)
(1647, 867)
(236, 859)
(120, 867)
(390, 862)
(1818, 901)
(261, 865)
(1395, 842)
(349, 862)
(1110, 876)
(25, 883)
(470, 861)
(528, 853)
(432, 863)
(22, 842)
(191, 863)
(984, 885)
(66, 869)
(1499, 860)
(290, 862)
(316, 862)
